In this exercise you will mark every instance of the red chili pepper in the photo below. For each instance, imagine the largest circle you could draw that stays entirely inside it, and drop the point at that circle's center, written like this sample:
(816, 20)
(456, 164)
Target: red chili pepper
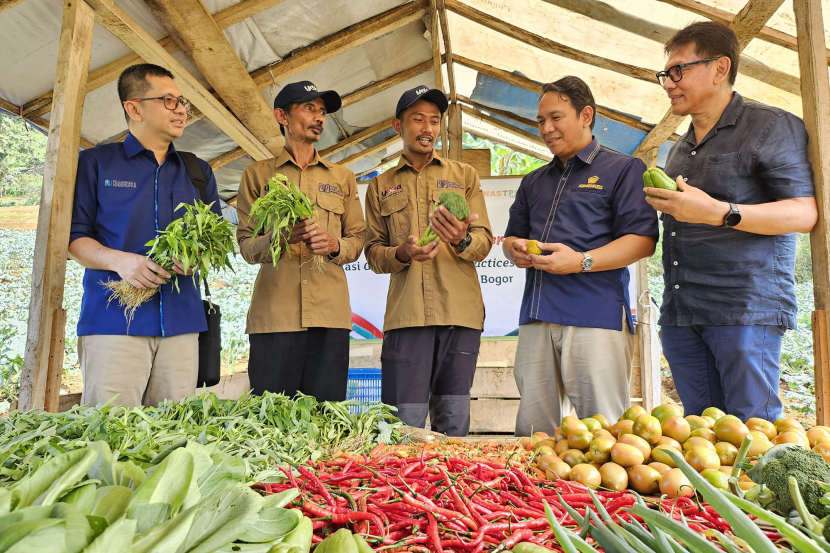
(320, 486)
(543, 537)
(518, 536)
(619, 503)
(317, 524)
(316, 510)
(346, 518)
(432, 532)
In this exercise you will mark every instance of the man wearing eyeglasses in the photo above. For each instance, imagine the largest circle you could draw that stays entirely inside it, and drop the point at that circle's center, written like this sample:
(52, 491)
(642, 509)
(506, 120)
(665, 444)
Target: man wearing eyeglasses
(125, 192)
(729, 236)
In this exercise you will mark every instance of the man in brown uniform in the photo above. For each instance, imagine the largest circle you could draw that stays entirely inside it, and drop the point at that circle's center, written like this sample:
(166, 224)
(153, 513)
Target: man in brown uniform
(434, 310)
(300, 318)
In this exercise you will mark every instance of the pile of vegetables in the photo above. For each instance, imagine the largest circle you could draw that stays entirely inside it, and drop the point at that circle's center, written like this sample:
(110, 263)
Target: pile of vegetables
(456, 204)
(192, 499)
(435, 502)
(199, 239)
(260, 431)
(277, 212)
(635, 452)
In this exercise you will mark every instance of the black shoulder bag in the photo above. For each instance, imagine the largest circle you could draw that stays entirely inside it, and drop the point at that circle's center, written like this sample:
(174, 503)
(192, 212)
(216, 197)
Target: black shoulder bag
(210, 341)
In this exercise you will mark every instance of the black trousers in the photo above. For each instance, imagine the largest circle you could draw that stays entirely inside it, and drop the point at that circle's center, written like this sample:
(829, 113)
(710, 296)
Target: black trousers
(314, 362)
(430, 370)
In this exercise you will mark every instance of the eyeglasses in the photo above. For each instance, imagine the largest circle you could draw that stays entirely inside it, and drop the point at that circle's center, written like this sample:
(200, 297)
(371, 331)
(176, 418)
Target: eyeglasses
(170, 102)
(675, 72)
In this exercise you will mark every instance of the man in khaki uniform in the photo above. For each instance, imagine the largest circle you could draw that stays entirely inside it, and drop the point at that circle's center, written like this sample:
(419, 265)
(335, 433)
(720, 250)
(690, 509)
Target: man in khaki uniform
(300, 318)
(434, 310)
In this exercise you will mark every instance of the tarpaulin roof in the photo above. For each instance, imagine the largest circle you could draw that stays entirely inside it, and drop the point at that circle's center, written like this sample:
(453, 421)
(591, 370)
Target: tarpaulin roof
(534, 40)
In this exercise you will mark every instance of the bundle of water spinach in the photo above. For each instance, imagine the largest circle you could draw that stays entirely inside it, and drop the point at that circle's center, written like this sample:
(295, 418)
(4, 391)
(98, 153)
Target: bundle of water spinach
(192, 500)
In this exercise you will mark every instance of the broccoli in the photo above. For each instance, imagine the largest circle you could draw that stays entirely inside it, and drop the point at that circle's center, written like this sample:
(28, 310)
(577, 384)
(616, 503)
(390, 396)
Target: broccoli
(456, 203)
(807, 467)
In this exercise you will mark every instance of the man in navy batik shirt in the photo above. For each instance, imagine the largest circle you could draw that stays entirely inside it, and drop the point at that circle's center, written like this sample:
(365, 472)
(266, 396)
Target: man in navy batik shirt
(587, 211)
(124, 194)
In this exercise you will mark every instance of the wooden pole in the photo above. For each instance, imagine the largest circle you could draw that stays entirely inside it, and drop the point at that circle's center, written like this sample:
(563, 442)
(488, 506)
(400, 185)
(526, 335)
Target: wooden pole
(455, 130)
(648, 349)
(55, 213)
(815, 96)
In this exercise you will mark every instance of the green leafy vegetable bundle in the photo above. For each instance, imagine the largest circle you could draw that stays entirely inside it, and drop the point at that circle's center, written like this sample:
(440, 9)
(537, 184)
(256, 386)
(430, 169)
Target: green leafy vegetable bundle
(278, 211)
(456, 204)
(200, 238)
(259, 430)
(192, 499)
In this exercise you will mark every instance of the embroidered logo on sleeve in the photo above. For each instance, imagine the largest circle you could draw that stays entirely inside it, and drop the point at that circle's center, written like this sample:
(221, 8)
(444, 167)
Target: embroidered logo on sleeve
(393, 190)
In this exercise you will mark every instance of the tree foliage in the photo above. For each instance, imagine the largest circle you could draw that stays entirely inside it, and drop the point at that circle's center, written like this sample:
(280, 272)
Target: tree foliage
(22, 152)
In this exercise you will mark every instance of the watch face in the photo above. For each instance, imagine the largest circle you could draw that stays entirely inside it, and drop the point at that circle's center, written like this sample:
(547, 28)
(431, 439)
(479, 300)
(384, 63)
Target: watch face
(733, 219)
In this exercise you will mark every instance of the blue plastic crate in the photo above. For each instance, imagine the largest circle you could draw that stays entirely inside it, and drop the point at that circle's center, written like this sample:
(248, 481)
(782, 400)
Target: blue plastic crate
(363, 386)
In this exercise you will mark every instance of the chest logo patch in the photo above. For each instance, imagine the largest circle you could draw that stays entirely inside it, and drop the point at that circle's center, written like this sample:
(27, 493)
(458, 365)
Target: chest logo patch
(393, 190)
(120, 183)
(329, 189)
(449, 184)
(592, 183)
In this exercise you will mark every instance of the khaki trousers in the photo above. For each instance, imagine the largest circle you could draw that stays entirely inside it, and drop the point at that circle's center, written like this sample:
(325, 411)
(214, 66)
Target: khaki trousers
(143, 370)
(561, 366)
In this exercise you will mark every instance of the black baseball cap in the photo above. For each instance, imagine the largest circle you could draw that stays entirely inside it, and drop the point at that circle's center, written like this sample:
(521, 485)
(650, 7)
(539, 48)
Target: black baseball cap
(305, 91)
(433, 95)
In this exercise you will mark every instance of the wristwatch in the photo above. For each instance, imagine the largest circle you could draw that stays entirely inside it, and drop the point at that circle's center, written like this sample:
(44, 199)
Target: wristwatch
(587, 262)
(733, 218)
(464, 244)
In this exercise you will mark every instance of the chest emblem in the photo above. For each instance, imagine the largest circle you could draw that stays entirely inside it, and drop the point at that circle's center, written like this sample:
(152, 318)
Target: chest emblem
(592, 183)
(393, 190)
(329, 189)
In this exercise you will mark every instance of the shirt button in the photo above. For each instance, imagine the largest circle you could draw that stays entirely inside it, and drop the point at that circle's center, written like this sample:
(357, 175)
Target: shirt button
(305, 282)
(674, 234)
(422, 201)
(675, 262)
(693, 152)
(427, 277)
(676, 286)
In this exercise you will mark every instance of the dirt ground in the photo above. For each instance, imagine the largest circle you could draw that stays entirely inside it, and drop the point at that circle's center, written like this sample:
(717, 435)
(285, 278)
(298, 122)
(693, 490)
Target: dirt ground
(18, 218)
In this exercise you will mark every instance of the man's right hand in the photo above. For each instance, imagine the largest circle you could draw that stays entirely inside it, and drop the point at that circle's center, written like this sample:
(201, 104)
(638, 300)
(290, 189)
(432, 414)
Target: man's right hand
(303, 230)
(519, 255)
(409, 251)
(139, 271)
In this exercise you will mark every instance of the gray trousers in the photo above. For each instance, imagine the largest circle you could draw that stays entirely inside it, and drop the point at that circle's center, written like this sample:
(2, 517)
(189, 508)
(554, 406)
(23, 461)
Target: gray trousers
(429, 371)
(559, 366)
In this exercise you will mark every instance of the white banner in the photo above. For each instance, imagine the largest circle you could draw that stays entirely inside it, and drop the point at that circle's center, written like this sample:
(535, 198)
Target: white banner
(502, 283)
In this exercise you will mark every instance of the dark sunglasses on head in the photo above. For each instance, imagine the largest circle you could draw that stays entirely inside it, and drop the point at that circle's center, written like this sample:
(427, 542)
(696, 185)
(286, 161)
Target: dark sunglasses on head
(675, 72)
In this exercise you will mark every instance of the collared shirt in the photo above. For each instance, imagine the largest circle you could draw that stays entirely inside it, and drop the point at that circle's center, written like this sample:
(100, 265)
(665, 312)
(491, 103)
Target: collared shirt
(122, 198)
(445, 290)
(296, 295)
(594, 199)
(755, 154)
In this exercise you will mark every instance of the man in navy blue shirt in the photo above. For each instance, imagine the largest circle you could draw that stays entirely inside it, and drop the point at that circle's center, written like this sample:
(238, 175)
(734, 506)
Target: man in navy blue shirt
(124, 194)
(586, 210)
(746, 188)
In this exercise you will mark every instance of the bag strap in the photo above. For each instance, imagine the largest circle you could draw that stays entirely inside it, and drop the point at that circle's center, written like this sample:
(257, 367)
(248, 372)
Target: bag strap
(196, 173)
(197, 177)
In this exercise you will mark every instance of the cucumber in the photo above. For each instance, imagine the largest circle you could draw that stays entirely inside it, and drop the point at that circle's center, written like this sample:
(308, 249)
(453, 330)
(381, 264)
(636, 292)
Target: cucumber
(656, 178)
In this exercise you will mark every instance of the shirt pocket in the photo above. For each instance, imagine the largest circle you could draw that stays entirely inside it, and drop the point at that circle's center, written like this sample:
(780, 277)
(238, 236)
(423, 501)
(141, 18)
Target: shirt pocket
(393, 210)
(719, 176)
(330, 213)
